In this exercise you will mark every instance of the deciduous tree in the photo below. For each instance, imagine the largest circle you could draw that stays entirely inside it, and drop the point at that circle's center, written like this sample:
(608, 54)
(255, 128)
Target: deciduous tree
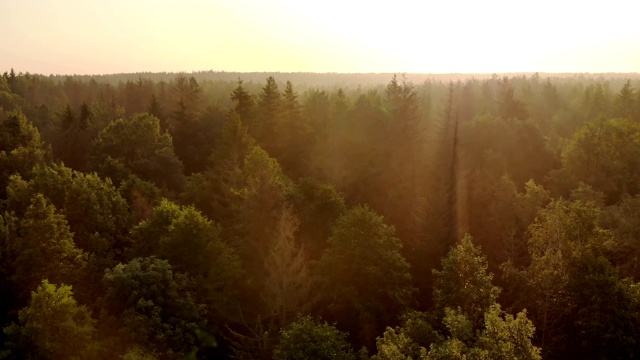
(363, 272)
(53, 326)
(40, 246)
(153, 308)
(136, 145)
(310, 339)
(464, 282)
(192, 244)
(20, 148)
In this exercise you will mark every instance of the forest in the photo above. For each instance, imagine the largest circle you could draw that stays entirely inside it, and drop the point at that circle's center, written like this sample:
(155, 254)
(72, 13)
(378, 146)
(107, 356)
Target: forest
(319, 216)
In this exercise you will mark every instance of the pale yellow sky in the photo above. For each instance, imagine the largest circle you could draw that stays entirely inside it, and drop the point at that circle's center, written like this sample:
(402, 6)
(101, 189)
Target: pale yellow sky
(110, 36)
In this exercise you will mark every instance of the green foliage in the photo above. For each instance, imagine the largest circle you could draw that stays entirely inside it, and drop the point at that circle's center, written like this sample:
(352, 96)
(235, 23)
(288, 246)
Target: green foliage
(72, 136)
(7, 226)
(318, 206)
(310, 339)
(507, 337)
(192, 244)
(405, 132)
(40, 246)
(188, 102)
(509, 106)
(497, 157)
(597, 100)
(494, 146)
(9, 100)
(245, 104)
(526, 206)
(247, 194)
(263, 191)
(85, 116)
(153, 307)
(328, 140)
(623, 220)
(497, 227)
(262, 172)
(261, 195)
(294, 135)
(269, 109)
(20, 148)
(141, 196)
(138, 353)
(155, 109)
(136, 145)
(464, 282)
(211, 191)
(234, 144)
(53, 326)
(190, 128)
(564, 229)
(458, 325)
(474, 325)
(17, 131)
(91, 204)
(604, 312)
(400, 135)
(97, 215)
(436, 160)
(604, 154)
(362, 271)
(626, 103)
(531, 201)
(394, 346)
(502, 337)
(499, 336)
(563, 232)
(408, 341)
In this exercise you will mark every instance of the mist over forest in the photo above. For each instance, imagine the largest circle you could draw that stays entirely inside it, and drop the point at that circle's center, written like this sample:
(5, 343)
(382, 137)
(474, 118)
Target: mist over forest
(320, 216)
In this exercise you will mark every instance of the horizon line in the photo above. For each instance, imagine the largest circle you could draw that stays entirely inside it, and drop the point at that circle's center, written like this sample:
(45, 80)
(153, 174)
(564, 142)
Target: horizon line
(330, 73)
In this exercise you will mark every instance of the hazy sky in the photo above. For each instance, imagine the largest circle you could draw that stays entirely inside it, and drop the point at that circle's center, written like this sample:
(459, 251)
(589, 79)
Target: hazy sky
(109, 36)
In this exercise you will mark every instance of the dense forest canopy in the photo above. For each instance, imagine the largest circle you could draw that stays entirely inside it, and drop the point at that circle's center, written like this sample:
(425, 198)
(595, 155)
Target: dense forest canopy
(320, 216)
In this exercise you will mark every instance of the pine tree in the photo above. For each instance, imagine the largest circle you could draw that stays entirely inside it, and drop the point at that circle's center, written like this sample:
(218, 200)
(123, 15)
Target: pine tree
(155, 109)
(245, 104)
(85, 117)
(625, 105)
(510, 107)
(293, 132)
(67, 118)
(269, 112)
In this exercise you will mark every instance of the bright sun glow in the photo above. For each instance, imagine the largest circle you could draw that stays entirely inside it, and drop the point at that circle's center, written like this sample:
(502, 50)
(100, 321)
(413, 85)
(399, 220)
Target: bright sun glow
(78, 36)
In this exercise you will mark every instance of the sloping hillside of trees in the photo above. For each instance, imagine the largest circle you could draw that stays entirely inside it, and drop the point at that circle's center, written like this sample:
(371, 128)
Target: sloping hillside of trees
(192, 216)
